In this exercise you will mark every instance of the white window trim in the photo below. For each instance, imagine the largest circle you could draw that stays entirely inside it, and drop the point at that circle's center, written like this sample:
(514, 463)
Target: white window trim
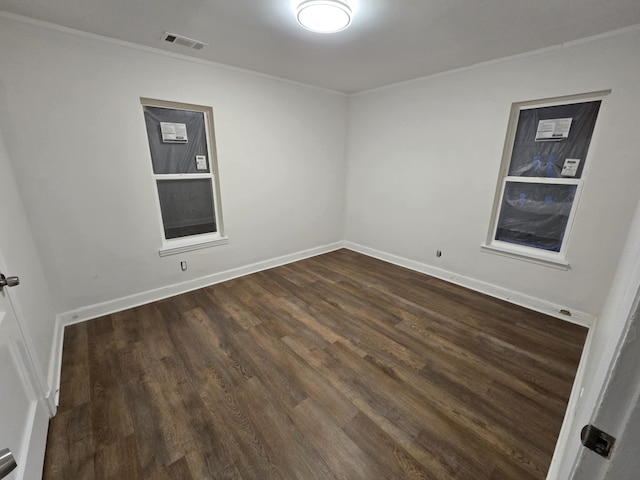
(193, 242)
(179, 245)
(519, 252)
(531, 254)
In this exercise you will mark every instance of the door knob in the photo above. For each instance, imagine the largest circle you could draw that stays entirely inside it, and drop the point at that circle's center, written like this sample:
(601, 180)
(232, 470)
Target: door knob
(7, 462)
(8, 281)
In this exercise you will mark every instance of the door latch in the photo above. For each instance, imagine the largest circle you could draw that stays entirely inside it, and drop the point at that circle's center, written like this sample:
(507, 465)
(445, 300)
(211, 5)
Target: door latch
(8, 281)
(595, 439)
(7, 462)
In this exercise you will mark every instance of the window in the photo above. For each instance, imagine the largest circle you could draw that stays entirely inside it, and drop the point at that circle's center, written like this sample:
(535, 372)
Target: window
(543, 173)
(185, 174)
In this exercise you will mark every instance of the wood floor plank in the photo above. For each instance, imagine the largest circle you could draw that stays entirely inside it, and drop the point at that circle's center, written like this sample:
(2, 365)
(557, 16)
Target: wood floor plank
(423, 291)
(70, 443)
(75, 388)
(148, 432)
(81, 445)
(343, 456)
(340, 366)
(471, 358)
(284, 441)
(110, 418)
(179, 470)
(118, 460)
(392, 460)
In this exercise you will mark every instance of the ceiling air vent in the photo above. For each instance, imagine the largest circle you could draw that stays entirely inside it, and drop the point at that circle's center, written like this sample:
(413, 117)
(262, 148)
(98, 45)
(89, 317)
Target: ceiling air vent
(184, 41)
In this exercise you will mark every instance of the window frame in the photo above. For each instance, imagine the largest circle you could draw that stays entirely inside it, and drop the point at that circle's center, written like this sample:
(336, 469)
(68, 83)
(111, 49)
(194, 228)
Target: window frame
(188, 243)
(529, 253)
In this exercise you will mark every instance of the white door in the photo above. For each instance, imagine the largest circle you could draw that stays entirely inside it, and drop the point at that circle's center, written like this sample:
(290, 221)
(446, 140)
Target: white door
(20, 413)
(26, 336)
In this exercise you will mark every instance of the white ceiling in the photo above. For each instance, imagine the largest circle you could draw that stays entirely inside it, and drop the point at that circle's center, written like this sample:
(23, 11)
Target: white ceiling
(389, 41)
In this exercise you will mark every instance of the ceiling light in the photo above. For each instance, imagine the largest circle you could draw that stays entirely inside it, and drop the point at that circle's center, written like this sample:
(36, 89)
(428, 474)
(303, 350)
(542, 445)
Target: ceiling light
(324, 16)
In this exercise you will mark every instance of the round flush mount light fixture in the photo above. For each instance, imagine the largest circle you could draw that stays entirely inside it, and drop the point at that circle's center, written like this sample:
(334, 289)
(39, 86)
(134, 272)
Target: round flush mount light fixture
(324, 16)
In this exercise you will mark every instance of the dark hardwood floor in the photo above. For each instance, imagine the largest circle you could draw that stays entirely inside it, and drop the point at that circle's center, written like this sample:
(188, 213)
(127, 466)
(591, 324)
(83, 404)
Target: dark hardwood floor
(339, 366)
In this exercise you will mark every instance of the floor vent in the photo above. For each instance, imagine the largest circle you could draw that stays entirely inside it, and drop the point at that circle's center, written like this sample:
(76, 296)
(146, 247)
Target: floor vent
(184, 41)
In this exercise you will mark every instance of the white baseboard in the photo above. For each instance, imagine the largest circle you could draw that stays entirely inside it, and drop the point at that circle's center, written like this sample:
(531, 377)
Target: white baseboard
(124, 303)
(106, 308)
(517, 298)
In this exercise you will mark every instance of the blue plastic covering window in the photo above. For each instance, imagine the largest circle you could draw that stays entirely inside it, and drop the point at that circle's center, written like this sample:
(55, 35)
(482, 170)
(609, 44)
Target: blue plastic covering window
(531, 158)
(172, 158)
(537, 214)
(186, 204)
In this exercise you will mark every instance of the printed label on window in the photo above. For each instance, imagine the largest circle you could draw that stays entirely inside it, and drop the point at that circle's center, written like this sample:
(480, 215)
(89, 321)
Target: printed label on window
(201, 162)
(570, 167)
(553, 129)
(173, 132)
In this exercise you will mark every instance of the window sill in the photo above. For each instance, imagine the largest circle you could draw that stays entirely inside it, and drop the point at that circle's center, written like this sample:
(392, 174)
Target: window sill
(181, 246)
(526, 256)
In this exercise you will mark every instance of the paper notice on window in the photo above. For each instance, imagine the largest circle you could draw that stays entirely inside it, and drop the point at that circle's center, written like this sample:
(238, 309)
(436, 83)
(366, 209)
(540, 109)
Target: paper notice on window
(173, 132)
(570, 167)
(553, 129)
(201, 162)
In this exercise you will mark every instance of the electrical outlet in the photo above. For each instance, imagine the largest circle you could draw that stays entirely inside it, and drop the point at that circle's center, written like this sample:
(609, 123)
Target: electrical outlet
(183, 265)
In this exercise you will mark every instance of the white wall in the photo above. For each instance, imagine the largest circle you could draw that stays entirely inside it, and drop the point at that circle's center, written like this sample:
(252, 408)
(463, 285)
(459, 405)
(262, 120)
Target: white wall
(70, 111)
(423, 161)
